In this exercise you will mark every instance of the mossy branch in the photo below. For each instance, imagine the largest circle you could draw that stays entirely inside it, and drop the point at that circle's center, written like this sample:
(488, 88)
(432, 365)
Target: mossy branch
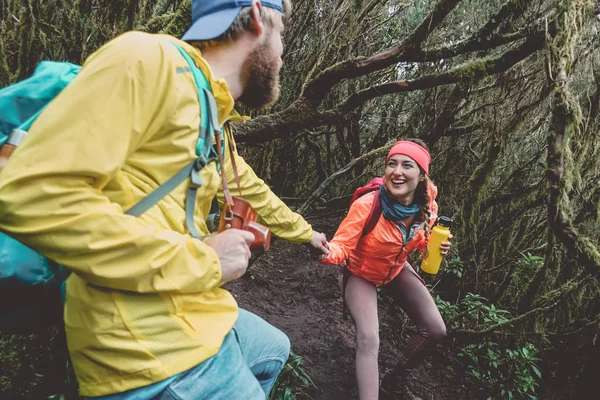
(303, 115)
(565, 123)
(318, 88)
(474, 69)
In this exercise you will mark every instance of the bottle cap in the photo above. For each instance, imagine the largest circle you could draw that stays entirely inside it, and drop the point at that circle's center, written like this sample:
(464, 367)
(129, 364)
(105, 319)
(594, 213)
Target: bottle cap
(445, 221)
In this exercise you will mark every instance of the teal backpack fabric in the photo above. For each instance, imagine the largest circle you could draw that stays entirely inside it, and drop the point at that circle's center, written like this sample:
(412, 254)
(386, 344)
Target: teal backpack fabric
(20, 105)
(31, 286)
(23, 102)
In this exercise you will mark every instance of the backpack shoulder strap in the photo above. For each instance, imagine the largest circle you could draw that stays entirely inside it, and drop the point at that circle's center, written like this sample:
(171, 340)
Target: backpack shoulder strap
(157, 194)
(205, 138)
(207, 109)
(373, 215)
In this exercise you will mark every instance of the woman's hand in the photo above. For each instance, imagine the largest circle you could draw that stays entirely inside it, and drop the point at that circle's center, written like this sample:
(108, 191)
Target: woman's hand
(319, 246)
(445, 247)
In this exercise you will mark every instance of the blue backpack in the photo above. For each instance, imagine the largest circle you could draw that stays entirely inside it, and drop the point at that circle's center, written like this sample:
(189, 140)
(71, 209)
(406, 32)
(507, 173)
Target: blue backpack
(32, 286)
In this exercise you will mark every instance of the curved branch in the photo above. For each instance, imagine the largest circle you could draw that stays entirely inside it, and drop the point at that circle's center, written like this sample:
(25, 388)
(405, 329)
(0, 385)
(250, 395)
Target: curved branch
(506, 11)
(315, 91)
(337, 174)
(471, 70)
(474, 43)
(433, 20)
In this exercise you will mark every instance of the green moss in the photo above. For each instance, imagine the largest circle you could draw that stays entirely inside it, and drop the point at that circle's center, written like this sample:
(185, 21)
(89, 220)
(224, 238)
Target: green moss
(158, 23)
(4, 70)
(181, 20)
(174, 23)
(471, 69)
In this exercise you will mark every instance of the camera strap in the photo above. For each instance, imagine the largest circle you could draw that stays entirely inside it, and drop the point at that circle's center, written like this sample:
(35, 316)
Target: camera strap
(218, 133)
(226, 192)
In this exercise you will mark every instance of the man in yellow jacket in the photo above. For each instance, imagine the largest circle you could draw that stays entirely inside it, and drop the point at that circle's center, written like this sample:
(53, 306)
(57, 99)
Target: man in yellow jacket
(145, 313)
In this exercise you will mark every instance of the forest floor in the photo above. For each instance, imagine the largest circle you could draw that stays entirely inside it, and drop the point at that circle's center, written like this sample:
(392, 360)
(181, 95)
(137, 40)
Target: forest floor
(297, 295)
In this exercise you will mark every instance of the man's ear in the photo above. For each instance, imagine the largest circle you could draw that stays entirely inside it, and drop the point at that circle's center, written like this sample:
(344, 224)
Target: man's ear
(257, 25)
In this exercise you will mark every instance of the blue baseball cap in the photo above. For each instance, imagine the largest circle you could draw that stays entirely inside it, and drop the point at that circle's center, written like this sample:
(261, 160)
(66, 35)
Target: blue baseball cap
(211, 18)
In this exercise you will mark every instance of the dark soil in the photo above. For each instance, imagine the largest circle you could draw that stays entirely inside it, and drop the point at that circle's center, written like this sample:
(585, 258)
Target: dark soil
(294, 293)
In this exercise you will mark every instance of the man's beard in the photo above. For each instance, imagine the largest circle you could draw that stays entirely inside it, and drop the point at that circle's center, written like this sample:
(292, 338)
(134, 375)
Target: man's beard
(260, 76)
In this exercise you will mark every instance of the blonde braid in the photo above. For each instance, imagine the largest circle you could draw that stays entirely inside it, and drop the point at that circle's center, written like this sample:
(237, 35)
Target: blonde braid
(423, 198)
(426, 206)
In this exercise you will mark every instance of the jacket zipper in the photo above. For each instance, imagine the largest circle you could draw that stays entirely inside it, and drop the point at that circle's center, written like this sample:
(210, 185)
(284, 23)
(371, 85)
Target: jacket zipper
(396, 259)
(399, 253)
(394, 265)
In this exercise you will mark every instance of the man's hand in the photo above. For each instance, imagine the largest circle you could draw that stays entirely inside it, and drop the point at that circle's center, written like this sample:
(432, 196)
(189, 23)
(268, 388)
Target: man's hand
(233, 249)
(445, 247)
(319, 247)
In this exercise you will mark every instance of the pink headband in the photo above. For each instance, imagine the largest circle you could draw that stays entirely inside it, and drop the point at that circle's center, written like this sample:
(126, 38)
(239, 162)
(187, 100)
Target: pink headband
(414, 151)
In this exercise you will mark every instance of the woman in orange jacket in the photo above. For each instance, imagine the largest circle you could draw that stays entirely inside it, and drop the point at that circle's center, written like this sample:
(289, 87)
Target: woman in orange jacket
(378, 258)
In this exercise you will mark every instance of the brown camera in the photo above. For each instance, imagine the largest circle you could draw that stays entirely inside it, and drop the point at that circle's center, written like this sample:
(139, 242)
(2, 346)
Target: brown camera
(242, 216)
(237, 213)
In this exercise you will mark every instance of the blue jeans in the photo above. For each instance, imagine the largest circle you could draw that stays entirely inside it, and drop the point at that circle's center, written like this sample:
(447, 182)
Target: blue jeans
(246, 367)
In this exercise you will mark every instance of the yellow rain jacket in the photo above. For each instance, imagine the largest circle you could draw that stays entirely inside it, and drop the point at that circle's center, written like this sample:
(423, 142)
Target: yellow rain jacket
(144, 301)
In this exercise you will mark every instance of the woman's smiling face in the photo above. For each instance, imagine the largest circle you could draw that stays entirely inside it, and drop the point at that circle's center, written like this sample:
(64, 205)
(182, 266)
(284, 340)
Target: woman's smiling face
(402, 175)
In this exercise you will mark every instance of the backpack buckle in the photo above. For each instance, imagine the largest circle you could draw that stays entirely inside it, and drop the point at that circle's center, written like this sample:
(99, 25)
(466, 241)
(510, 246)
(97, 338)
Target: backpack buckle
(16, 137)
(195, 179)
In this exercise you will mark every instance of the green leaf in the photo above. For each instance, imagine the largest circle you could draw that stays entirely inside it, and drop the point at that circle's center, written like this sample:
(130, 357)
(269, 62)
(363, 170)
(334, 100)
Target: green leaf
(289, 395)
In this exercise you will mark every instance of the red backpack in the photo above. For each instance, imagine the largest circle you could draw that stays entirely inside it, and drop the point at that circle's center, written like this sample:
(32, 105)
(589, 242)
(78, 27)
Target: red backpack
(372, 186)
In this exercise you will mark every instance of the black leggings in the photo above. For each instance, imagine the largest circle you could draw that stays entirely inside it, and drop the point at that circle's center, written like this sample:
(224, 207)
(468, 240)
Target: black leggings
(410, 292)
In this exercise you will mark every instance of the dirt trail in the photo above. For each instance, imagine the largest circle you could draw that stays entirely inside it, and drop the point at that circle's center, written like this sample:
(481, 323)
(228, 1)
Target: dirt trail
(302, 297)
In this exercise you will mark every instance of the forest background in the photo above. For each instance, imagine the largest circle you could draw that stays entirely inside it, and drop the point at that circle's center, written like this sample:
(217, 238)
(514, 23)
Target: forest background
(506, 94)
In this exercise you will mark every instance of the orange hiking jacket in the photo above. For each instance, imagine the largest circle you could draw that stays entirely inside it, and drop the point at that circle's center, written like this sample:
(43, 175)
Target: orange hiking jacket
(379, 255)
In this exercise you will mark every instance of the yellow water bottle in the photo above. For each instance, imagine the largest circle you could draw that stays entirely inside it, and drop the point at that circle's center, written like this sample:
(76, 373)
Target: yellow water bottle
(440, 233)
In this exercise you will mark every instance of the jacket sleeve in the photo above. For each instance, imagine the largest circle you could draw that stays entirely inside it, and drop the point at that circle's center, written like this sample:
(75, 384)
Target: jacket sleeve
(349, 233)
(51, 190)
(273, 212)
